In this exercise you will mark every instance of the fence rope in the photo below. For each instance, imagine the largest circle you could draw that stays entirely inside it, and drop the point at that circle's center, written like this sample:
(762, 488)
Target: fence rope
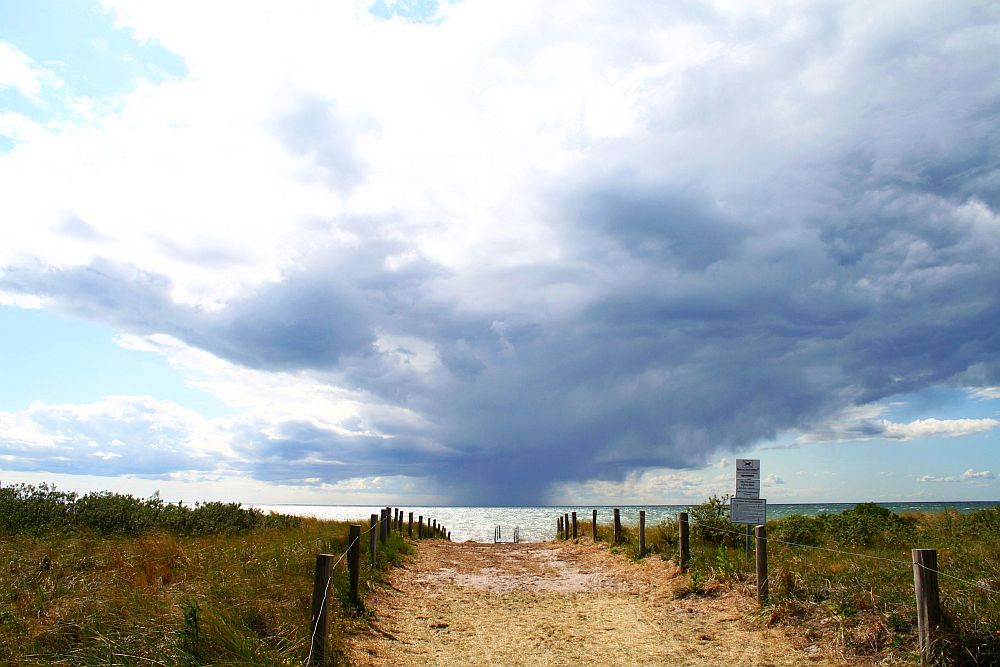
(910, 563)
(326, 589)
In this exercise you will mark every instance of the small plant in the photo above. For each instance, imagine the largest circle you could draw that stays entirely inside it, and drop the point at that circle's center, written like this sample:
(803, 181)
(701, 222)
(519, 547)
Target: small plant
(725, 568)
(696, 582)
(189, 633)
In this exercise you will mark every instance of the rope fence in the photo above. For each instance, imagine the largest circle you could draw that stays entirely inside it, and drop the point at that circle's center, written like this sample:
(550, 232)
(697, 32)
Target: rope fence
(390, 520)
(923, 564)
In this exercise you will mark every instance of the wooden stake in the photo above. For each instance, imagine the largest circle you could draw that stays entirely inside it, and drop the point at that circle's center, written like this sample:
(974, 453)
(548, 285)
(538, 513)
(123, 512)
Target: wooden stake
(317, 627)
(593, 526)
(925, 586)
(760, 534)
(354, 560)
(574, 525)
(411, 525)
(642, 533)
(684, 546)
(618, 526)
(420, 527)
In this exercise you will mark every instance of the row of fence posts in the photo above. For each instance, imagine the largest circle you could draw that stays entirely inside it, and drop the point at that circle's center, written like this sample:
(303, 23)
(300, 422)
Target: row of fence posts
(925, 579)
(498, 534)
(379, 528)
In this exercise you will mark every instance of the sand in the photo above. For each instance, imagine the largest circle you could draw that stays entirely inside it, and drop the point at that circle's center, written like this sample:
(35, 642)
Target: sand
(562, 603)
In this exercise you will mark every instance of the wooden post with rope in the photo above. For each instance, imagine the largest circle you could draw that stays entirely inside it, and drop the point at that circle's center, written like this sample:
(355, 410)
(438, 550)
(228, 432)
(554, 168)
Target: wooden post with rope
(925, 587)
(321, 586)
(685, 544)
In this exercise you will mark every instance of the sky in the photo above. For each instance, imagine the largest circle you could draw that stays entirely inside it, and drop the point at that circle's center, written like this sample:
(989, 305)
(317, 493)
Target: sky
(500, 253)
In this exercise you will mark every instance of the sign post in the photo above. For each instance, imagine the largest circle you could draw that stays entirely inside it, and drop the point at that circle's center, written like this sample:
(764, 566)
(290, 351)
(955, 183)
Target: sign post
(747, 506)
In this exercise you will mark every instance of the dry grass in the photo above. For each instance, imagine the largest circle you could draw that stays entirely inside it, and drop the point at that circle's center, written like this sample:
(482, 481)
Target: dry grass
(160, 599)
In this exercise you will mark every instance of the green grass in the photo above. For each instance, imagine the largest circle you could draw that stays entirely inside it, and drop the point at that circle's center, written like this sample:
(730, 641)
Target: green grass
(168, 595)
(863, 604)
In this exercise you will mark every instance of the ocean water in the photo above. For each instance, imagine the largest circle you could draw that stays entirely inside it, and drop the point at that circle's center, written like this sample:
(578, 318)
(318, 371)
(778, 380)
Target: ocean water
(537, 524)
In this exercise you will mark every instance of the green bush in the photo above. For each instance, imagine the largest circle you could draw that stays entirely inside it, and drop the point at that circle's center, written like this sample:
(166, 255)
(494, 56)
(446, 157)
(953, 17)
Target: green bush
(867, 524)
(26, 509)
(797, 529)
(710, 522)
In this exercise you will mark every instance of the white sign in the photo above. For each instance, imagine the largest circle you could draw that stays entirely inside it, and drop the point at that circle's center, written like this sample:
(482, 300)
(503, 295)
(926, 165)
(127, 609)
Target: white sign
(748, 510)
(748, 468)
(747, 487)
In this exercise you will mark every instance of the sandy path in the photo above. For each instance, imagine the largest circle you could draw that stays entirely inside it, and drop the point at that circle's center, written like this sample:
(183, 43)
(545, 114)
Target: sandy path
(558, 603)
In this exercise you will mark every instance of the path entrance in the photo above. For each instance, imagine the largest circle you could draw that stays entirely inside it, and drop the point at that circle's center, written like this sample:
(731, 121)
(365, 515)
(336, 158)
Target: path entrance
(559, 603)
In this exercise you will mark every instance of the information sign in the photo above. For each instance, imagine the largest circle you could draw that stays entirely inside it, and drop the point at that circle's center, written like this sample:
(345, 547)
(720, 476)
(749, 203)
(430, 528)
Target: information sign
(748, 468)
(747, 487)
(748, 510)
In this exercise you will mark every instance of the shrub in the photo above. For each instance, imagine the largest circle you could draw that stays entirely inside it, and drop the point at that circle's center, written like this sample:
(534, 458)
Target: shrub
(26, 509)
(710, 522)
(797, 529)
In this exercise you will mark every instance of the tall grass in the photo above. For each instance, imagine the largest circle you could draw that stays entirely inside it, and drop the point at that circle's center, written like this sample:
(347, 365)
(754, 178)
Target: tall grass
(218, 588)
(862, 601)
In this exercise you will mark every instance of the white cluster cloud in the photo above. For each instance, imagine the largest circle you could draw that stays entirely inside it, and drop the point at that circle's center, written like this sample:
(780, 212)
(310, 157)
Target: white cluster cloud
(858, 423)
(978, 476)
(18, 71)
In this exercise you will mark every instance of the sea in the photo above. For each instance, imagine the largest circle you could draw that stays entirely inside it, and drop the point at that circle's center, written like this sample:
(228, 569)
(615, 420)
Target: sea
(538, 524)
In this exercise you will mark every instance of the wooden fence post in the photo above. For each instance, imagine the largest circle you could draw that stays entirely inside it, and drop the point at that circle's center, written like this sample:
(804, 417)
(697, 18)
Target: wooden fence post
(372, 537)
(760, 534)
(574, 525)
(642, 533)
(383, 525)
(593, 526)
(566, 526)
(354, 560)
(618, 526)
(321, 585)
(558, 527)
(400, 523)
(411, 525)
(685, 545)
(925, 586)
(420, 527)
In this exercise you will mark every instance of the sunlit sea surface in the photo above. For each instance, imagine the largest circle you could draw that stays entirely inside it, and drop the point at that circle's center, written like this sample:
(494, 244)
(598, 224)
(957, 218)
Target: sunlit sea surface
(537, 524)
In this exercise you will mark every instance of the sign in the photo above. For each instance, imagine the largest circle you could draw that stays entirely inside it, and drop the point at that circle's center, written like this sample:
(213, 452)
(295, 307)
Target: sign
(749, 468)
(747, 487)
(748, 510)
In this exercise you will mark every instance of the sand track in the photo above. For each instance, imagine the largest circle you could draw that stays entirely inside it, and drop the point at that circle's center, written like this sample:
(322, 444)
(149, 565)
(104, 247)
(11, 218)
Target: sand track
(559, 603)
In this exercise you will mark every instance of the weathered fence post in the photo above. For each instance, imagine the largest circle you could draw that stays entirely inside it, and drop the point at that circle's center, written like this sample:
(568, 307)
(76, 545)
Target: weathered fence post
(642, 533)
(383, 526)
(685, 546)
(372, 537)
(760, 533)
(321, 584)
(618, 526)
(400, 523)
(420, 527)
(558, 527)
(566, 526)
(925, 586)
(411, 525)
(449, 536)
(574, 525)
(354, 560)
(593, 526)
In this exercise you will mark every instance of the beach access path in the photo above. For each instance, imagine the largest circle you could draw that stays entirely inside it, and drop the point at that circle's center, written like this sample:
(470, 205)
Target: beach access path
(562, 603)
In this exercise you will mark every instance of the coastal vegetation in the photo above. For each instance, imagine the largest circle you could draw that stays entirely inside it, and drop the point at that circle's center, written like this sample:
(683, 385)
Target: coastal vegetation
(847, 578)
(110, 579)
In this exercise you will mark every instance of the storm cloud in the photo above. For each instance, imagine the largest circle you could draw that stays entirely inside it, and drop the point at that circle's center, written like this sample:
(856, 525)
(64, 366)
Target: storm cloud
(774, 216)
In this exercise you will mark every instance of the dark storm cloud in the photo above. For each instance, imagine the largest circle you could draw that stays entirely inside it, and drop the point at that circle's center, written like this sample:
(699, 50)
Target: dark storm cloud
(778, 244)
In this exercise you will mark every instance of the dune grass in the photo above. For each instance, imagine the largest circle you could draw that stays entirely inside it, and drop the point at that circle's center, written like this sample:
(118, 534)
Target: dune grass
(172, 594)
(862, 604)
